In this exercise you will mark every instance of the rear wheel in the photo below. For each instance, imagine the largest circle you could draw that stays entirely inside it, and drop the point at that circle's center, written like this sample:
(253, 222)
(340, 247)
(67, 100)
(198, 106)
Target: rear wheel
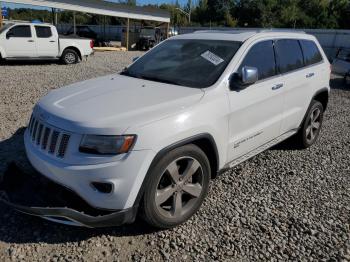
(311, 127)
(176, 188)
(70, 57)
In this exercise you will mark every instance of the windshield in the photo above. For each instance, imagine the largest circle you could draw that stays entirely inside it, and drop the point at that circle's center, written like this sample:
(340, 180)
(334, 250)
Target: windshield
(187, 62)
(5, 27)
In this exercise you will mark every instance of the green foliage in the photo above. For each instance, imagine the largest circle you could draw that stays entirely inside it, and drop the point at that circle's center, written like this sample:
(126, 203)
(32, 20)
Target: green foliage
(231, 13)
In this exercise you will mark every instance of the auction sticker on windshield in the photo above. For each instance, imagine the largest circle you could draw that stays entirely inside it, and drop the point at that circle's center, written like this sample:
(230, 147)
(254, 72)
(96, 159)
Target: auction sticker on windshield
(212, 58)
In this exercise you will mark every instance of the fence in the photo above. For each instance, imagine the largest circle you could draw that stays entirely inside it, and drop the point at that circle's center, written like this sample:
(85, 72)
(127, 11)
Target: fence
(331, 40)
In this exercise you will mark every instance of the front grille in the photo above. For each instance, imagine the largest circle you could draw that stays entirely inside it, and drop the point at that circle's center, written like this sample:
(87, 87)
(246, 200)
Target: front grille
(49, 139)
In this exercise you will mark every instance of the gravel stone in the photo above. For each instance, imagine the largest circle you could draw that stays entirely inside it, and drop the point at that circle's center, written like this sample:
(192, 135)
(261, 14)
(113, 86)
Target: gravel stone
(283, 204)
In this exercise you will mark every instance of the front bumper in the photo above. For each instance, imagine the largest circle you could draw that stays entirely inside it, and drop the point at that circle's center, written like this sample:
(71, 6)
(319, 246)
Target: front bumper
(125, 174)
(36, 195)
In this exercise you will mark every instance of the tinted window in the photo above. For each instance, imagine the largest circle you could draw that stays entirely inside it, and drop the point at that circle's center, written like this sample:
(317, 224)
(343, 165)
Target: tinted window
(187, 62)
(43, 31)
(21, 31)
(262, 57)
(289, 55)
(311, 53)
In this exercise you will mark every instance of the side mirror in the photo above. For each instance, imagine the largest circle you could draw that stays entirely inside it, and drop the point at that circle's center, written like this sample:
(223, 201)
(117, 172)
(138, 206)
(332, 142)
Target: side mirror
(135, 58)
(9, 35)
(248, 76)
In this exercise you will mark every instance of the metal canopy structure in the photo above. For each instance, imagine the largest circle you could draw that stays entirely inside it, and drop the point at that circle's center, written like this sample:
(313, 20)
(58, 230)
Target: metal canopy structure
(101, 8)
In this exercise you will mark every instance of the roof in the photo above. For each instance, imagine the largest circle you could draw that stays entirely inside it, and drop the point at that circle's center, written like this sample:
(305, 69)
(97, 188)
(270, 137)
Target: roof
(239, 35)
(102, 8)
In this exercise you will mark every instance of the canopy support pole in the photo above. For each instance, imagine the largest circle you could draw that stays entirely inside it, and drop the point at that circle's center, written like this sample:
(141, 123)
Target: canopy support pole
(0, 15)
(127, 34)
(74, 24)
(167, 30)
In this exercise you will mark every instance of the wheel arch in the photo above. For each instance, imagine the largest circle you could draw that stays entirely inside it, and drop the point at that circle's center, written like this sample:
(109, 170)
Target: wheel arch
(76, 49)
(322, 96)
(204, 141)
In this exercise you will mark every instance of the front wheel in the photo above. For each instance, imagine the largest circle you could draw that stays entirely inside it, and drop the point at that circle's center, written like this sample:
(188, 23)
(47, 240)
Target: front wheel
(70, 57)
(176, 187)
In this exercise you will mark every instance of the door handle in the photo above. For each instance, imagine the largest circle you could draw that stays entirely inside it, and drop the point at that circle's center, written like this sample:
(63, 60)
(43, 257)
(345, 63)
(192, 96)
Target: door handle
(278, 86)
(310, 75)
(31, 41)
(52, 41)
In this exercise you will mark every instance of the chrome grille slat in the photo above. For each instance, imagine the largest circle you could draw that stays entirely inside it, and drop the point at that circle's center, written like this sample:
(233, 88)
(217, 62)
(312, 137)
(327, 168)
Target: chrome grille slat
(34, 130)
(63, 145)
(30, 122)
(40, 131)
(47, 138)
(31, 126)
(53, 142)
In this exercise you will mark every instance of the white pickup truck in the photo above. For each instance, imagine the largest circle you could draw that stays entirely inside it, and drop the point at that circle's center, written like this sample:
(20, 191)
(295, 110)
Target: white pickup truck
(23, 41)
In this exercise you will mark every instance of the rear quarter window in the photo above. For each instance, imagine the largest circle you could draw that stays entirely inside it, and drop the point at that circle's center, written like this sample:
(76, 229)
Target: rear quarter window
(289, 55)
(311, 52)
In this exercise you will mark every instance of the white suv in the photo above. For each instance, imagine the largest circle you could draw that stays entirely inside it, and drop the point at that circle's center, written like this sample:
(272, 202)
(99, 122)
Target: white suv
(148, 141)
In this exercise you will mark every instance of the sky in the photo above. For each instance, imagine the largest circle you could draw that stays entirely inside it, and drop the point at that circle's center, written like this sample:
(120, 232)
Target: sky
(139, 2)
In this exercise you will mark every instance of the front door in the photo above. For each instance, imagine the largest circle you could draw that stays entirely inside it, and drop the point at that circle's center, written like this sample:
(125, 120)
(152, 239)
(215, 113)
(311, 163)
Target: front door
(256, 110)
(19, 42)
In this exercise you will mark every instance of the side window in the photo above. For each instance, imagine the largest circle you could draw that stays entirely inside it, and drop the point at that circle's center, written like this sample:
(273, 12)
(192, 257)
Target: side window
(311, 52)
(20, 31)
(43, 31)
(261, 56)
(289, 55)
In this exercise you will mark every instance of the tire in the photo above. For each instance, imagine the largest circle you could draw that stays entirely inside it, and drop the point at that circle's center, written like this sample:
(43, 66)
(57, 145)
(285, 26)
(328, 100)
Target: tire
(311, 127)
(70, 57)
(176, 187)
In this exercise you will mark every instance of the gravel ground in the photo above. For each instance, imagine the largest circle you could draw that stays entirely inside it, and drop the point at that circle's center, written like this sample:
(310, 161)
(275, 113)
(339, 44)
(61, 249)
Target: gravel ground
(281, 205)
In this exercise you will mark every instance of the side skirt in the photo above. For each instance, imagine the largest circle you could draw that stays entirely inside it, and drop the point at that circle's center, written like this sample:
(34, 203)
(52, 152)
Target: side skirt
(260, 149)
(30, 58)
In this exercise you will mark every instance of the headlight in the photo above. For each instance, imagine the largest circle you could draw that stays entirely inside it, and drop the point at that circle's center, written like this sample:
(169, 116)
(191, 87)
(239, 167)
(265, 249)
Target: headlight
(106, 145)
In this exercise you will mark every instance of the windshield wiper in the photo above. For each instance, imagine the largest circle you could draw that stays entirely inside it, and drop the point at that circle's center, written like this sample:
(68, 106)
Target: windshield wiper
(157, 79)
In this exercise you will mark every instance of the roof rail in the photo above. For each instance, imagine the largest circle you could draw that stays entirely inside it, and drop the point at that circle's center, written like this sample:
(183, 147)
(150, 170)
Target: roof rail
(281, 31)
(243, 30)
(230, 31)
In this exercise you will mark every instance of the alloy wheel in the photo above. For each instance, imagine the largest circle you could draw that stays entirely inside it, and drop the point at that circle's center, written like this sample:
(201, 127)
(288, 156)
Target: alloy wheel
(179, 187)
(314, 125)
(70, 58)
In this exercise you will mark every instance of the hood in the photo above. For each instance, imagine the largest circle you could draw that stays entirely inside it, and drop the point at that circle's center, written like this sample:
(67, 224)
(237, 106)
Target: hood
(111, 104)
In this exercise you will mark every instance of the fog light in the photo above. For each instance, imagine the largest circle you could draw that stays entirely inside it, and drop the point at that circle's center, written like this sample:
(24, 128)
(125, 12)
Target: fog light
(104, 188)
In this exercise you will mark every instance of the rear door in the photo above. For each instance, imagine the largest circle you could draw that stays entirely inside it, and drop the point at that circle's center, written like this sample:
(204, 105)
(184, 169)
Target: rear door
(20, 42)
(256, 111)
(46, 41)
(299, 62)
